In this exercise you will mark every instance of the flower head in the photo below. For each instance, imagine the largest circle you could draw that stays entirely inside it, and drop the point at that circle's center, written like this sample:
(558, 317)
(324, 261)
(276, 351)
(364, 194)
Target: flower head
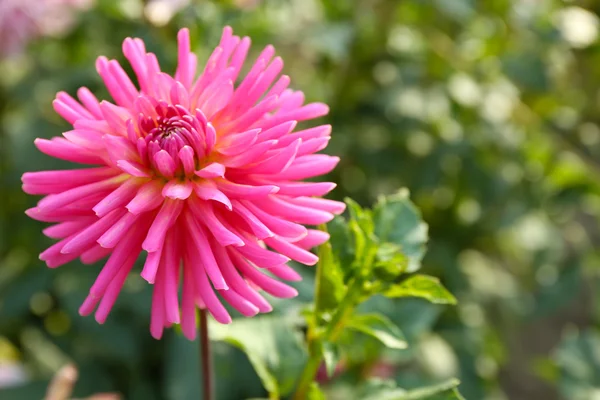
(202, 174)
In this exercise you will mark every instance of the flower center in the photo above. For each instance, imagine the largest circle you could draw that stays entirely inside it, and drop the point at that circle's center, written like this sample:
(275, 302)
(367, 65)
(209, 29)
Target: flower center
(173, 128)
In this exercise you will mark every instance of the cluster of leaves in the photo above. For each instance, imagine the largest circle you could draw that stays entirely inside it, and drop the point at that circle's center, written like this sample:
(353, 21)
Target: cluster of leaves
(374, 252)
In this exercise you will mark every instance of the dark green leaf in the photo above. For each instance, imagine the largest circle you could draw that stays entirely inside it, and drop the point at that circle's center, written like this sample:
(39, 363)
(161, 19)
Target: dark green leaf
(422, 286)
(273, 347)
(398, 221)
(181, 368)
(389, 261)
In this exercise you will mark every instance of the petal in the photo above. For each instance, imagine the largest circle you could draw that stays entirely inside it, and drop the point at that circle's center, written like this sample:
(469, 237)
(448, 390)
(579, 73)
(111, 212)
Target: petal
(258, 228)
(205, 255)
(213, 170)
(285, 208)
(55, 201)
(170, 264)
(65, 150)
(186, 157)
(134, 169)
(262, 257)
(165, 164)
(188, 308)
(312, 239)
(88, 236)
(238, 190)
(278, 226)
(309, 166)
(204, 212)
(116, 232)
(165, 219)
(237, 283)
(296, 189)
(177, 190)
(268, 284)
(279, 162)
(292, 251)
(207, 190)
(118, 197)
(286, 272)
(148, 197)
(238, 302)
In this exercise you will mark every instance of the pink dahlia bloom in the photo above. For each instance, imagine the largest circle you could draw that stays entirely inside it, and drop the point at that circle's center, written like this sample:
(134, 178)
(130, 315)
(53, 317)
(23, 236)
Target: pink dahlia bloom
(202, 174)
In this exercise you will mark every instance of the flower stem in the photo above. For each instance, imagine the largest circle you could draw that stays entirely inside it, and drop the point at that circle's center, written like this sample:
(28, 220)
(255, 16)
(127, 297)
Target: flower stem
(330, 334)
(206, 359)
(308, 374)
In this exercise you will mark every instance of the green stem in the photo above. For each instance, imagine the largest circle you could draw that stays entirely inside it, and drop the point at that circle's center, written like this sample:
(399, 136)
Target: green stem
(345, 310)
(330, 334)
(309, 372)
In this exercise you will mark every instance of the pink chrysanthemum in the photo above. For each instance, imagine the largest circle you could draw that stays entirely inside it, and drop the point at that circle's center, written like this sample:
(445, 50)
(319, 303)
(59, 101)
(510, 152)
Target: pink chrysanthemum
(203, 175)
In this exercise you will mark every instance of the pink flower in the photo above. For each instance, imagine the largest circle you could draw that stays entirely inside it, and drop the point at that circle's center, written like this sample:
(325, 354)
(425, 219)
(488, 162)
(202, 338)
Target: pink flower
(24, 20)
(203, 175)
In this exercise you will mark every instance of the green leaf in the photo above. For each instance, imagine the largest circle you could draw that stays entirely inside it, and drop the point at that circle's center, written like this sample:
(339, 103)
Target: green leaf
(577, 359)
(330, 286)
(362, 216)
(360, 242)
(389, 262)
(362, 228)
(443, 391)
(273, 347)
(421, 286)
(379, 327)
(386, 390)
(315, 393)
(331, 357)
(342, 242)
(181, 368)
(398, 221)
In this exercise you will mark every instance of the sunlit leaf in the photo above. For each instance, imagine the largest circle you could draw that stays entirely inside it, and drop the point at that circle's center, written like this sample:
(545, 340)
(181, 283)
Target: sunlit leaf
(386, 390)
(361, 215)
(444, 391)
(379, 327)
(330, 286)
(315, 393)
(422, 286)
(331, 357)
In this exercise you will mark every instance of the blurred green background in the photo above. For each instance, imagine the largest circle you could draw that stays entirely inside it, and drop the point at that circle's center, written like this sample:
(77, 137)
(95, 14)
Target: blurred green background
(488, 111)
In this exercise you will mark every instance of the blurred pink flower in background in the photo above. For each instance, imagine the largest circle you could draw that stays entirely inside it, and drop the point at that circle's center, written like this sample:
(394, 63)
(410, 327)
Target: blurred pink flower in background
(12, 374)
(203, 175)
(24, 20)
